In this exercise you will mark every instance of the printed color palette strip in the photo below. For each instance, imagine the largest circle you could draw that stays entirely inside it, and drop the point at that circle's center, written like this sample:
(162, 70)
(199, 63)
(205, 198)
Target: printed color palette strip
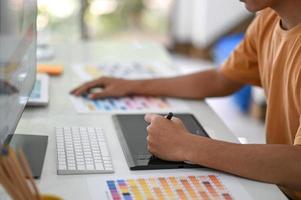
(127, 103)
(183, 188)
(131, 71)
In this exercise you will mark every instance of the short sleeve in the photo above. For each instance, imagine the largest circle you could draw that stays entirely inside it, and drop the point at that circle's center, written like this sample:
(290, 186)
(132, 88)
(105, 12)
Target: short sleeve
(242, 65)
(297, 140)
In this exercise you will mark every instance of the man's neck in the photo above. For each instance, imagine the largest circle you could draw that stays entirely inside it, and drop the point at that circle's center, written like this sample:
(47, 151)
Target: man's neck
(290, 13)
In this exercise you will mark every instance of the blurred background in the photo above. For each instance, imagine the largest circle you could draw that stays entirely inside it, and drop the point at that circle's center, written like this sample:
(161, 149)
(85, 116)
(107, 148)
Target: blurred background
(178, 24)
(197, 33)
(94, 19)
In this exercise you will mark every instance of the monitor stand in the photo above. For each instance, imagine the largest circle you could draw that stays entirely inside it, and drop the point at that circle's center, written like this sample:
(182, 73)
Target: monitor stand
(34, 147)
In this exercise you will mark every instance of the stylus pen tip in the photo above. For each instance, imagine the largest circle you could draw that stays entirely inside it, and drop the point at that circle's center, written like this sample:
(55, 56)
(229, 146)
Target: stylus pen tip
(169, 116)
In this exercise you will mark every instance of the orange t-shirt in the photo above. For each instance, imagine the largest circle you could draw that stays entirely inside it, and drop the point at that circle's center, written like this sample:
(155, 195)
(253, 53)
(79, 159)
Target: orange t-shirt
(270, 57)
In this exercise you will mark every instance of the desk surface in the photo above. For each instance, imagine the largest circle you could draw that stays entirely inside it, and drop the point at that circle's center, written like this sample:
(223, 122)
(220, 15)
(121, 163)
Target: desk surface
(60, 112)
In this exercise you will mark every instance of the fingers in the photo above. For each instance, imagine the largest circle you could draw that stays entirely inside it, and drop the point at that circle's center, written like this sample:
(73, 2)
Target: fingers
(150, 144)
(100, 95)
(87, 86)
(150, 117)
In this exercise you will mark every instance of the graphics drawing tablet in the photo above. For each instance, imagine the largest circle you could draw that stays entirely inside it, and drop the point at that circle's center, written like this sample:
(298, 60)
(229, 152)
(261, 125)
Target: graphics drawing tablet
(131, 129)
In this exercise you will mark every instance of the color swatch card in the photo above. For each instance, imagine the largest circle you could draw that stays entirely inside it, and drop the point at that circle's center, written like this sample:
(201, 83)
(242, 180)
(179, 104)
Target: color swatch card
(191, 187)
(174, 187)
(135, 104)
(132, 70)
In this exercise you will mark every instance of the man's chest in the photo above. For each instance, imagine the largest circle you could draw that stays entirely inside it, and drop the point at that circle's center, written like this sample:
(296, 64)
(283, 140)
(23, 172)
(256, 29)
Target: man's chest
(280, 66)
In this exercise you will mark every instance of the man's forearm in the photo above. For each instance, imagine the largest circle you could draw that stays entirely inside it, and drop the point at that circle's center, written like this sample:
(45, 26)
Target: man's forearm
(194, 86)
(278, 164)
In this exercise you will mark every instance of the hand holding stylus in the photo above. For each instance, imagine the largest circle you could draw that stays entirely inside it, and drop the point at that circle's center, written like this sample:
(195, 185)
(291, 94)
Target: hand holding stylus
(167, 137)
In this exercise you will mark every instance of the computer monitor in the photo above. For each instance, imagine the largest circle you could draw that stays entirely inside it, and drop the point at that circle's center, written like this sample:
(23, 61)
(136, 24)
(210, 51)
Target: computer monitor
(18, 37)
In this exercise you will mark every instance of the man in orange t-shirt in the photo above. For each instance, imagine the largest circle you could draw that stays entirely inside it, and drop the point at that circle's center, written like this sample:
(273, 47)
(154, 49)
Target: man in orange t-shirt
(270, 57)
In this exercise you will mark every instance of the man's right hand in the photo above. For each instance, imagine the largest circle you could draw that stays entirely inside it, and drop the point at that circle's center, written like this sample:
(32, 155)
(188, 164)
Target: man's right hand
(110, 87)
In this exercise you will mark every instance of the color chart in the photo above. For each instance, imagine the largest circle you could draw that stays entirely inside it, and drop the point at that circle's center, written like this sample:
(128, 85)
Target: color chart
(131, 70)
(128, 104)
(172, 187)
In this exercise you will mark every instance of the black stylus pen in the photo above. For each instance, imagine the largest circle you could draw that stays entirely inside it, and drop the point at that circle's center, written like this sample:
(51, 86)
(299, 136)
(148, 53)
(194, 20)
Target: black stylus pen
(169, 116)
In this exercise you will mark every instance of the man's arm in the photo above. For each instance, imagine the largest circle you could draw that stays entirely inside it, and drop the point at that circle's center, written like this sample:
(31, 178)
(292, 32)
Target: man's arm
(195, 86)
(210, 83)
(277, 164)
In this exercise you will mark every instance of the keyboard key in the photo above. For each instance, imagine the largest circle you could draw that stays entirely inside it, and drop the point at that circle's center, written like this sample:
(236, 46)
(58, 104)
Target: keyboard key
(99, 167)
(62, 167)
(81, 167)
(90, 167)
(106, 158)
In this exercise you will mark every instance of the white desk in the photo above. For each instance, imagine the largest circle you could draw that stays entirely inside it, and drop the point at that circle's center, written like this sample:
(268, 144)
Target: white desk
(60, 112)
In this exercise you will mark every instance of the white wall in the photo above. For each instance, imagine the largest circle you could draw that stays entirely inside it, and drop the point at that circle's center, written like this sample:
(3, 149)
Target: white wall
(202, 21)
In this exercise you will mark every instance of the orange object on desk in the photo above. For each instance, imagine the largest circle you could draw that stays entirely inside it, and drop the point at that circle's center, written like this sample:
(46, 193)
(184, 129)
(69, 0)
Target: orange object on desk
(50, 69)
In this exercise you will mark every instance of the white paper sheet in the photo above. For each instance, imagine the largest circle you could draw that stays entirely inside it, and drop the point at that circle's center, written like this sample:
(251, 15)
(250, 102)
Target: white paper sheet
(128, 105)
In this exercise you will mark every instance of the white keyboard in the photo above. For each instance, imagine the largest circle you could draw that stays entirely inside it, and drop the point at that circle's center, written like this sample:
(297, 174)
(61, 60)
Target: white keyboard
(82, 150)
